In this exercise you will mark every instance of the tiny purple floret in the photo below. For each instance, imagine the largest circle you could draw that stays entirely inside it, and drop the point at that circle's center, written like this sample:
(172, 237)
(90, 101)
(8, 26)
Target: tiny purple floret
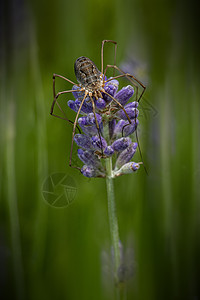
(97, 143)
(124, 94)
(83, 141)
(121, 144)
(126, 155)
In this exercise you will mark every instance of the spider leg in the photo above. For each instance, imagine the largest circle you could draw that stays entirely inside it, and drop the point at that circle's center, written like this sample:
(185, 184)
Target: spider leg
(130, 77)
(97, 124)
(102, 48)
(56, 102)
(132, 82)
(74, 128)
(56, 97)
(60, 76)
(118, 103)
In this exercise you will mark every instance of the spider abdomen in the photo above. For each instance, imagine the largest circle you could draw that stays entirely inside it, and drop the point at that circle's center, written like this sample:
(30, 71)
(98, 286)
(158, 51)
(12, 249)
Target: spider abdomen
(87, 73)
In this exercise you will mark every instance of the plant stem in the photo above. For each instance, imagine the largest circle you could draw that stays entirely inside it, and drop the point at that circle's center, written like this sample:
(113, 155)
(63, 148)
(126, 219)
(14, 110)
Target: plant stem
(112, 216)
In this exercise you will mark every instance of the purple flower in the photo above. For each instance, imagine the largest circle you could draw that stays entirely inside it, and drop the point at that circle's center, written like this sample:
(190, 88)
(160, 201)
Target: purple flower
(86, 107)
(111, 88)
(131, 111)
(121, 144)
(113, 138)
(88, 158)
(109, 151)
(100, 103)
(83, 141)
(126, 155)
(90, 119)
(128, 168)
(91, 171)
(98, 143)
(125, 128)
(124, 94)
(88, 124)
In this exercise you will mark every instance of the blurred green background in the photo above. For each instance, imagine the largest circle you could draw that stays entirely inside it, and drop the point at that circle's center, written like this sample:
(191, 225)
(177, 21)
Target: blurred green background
(49, 253)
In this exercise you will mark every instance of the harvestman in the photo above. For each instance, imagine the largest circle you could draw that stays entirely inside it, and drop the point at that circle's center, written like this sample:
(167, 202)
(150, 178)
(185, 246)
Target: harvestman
(92, 82)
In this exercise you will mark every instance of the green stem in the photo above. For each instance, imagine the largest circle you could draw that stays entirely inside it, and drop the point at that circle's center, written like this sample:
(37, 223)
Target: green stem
(112, 215)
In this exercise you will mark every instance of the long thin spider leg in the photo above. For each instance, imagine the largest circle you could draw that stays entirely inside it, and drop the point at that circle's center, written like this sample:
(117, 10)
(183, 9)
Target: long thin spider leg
(120, 105)
(74, 128)
(123, 75)
(140, 151)
(60, 76)
(102, 48)
(128, 76)
(66, 119)
(56, 102)
(55, 96)
(136, 86)
(97, 124)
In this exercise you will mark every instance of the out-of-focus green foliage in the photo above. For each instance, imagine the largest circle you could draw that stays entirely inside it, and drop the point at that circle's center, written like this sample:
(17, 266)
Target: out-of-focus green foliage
(49, 253)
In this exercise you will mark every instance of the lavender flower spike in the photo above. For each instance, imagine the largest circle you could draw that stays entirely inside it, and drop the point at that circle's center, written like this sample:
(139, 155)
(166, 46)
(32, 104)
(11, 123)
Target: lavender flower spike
(131, 111)
(111, 139)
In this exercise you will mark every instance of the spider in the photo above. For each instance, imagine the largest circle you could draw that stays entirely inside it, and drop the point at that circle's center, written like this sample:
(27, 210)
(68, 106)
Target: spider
(91, 83)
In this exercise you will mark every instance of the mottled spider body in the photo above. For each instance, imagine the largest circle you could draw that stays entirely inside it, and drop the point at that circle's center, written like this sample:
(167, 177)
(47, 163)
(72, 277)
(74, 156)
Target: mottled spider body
(88, 75)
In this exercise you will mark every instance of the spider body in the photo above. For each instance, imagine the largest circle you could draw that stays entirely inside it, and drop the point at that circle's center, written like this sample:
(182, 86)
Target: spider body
(88, 75)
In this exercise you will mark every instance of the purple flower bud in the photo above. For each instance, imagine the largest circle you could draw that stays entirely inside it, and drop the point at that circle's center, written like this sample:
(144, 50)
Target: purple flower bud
(87, 129)
(130, 128)
(128, 168)
(88, 157)
(97, 143)
(83, 141)
(121, 144)
(134, 166)
(112, 124)
(108, 151)
(90, 171)
(133, 104)
(72, 105)
(90, 119)
(88, 124)
(132, 113)
(86, 107)
(83, 121)
(76, 93)
(125, 128)
(124, 94)
(111, 88)
(100, 103)
(126, 155)
(118, 128)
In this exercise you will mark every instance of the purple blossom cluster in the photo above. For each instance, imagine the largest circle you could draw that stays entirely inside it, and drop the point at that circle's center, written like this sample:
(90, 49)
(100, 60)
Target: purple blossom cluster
(113, 138)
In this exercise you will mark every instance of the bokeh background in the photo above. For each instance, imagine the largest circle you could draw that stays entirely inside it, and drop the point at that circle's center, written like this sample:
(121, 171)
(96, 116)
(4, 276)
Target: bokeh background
(49, 253)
